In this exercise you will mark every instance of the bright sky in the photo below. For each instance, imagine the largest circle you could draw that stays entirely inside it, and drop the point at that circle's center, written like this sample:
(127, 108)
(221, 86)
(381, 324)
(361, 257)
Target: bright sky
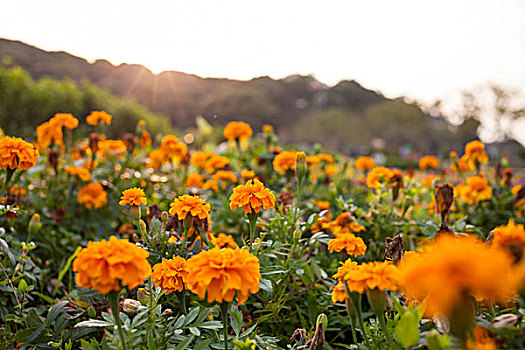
(421, 49)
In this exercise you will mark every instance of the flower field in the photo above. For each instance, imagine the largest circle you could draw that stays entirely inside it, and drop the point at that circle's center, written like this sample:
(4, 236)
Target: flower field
(182, 242)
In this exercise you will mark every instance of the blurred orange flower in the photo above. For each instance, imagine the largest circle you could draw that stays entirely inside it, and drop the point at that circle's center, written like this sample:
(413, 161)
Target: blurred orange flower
(365, 163)
(348, 241)
(98, 117)
(378, 175)
(92, 196)
(238, 131)
(427, 162)
(82, 173)
(284, 162)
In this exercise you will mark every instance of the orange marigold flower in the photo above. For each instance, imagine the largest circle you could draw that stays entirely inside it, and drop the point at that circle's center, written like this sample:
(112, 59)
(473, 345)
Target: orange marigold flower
(216, 162)
(92, 196)
(481, 341)
(156, 158)
(49, 133)
(284, 162)
(133, 196)
(82, 173)
(247, 174)
(223, 241)
(476, 190)
(172, 148)
(365, 163)
(378, 175)
(224, 175)
(427, 162)
(145, 139)
(65, 120)
(323, 205)
(373, 275)
(475, 152)
(195, 180)
(455, 266)
(326, 158)
(211, 185)
(348, 241)
(107, 265)
(339, 293)
(509, 235)
(199, 159)
(97, 117)
(170, 274)
(252, 196)
(15, 153)
(223, 272)
(267, 129)
(238, 131)
(193, 205)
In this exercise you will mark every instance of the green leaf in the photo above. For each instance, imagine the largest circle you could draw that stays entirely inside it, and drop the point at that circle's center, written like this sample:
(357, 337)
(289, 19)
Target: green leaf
(211, 325)
(54, 311)
(93, 323)
(22, 286)
(436, 341)
(236, 320)
(184, 343)
(195, 331)
(65, 269)
(407, 329)
(191, 315)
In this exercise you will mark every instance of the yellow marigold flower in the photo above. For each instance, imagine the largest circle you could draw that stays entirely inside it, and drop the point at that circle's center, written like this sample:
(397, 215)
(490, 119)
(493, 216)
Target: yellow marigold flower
(348, 241)
(106, 265)
(378, 175)
(223, 272)
(224, 175)
(145, 139)
(223, 241)
(170, 274)
(15, 153)
(463, 165)
(344, 224)
(65, 120)
(323, 205)
(312, 161)
(428, 162)
(356, 227)
(339, 293)
(49, 133)
(284, 161)
(476, 190)
(133, 196)
(331, 170)
(193, 205)
(365, 163)
(216, 162)
(195, 180)
(97, 117)
(156, 158)
(199, 159)
(326, 158)
(267, 129)
(172, 148)
(373, 275)
(515, 189)
(453, 267)
(238, 131)
(252, 196)
(345, 267)
(92, 196)
(114, 148)
(82, 173)
(247, 174)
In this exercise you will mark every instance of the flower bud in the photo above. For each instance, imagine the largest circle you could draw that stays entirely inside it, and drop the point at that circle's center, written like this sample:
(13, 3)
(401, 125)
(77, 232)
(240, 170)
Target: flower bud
(130, 306)
(91, 311)
(322, 319)
(52, 157)
(93, 143)
(142, 227)
(300, 166)
(444, 199)
(297, 234)
(167, 313)
(34, 224)
(142, 296)
(165, 216)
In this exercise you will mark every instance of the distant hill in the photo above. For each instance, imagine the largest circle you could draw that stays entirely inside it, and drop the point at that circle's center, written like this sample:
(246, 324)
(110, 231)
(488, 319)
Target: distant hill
(346, 116)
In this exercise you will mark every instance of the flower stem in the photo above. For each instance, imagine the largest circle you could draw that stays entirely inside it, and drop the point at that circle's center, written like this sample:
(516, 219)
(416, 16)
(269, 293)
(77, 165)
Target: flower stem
(113, 300)
(151, 301)
(252, 218)
(224, 314)
(355, 298)
(8, 176)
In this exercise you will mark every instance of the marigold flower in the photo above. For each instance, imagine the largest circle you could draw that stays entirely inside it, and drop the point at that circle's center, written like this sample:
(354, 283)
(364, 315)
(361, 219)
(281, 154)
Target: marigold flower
(193, 205)
(475, 150)
(267, 129)
(378, 175)
(238, 131)
(365, 163)
(348, 241)
(211, 185)
(195, 180)
(428, 162)
(453, 267)
(92, 196)
(98, 117)
(284, 162)
(252, 196)
(338, 293)
(172, 148)
(133, 196)
(476, 190)
(247, 174)
(223, 241)
(156, 158)
(170, 274)
(510, 237)
(114, 148)
(323, 205)
(481, 341)
(65, 120)
(82, 173)
(373, 275)
(107, 265)
(216, 162)
(49, 133)
(199, 159)
(343, 224)
(221, 273)
(15, 153)
(145, 139)
(225, 176)
(325, 158)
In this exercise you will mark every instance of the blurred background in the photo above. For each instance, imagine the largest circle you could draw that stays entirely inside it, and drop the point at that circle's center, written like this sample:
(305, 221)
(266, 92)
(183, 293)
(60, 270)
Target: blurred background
(402, 78)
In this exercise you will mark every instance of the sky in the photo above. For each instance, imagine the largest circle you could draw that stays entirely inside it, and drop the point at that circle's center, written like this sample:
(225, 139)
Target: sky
(420, 49)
